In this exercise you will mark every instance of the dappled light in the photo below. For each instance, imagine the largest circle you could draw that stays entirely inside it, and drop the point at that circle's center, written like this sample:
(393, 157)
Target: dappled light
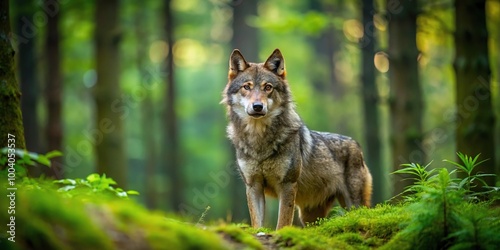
(353, 30)
(189, 53)
(158, 51)
(381, 62)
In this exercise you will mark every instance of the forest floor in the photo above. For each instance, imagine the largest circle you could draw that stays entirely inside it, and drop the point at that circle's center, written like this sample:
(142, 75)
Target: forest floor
(47, 217)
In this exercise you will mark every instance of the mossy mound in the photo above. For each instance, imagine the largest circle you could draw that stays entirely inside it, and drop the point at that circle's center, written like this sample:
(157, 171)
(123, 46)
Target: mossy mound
(47, 219)
(361, 228)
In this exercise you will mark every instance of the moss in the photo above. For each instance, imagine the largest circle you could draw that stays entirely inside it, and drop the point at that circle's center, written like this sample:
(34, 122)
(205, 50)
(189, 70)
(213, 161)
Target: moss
(239, 235)
(247, 228)
(308, 238)
(378, 224)
(47, 219)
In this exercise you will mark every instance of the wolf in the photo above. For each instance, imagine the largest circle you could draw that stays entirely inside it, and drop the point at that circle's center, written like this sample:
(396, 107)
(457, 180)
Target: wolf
(279, 156)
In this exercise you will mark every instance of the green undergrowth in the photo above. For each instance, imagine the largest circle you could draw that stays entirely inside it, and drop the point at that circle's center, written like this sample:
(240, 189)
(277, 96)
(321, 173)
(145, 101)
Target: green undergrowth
(440, 211)
(361, 228)
(48, 219)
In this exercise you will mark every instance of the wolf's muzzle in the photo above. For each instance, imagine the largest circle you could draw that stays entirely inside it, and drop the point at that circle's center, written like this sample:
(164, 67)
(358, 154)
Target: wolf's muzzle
(257, 106)
(257, 110)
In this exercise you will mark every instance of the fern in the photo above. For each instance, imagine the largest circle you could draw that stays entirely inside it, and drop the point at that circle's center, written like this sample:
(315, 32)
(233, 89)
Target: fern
(470, 182)
(446, 213)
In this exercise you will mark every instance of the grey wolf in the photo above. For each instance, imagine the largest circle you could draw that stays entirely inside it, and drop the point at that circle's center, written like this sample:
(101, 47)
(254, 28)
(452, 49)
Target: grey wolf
(279, 156)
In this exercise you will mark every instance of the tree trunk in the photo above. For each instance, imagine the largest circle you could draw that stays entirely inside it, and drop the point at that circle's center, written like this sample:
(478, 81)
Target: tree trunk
(108, 134)
(26, 35)
(11, 122)
(371, 104)
(172, 162)
(475, 120)
(406, 103)
(53, 90)
(147, 108)
(245, 38)
(326, 46)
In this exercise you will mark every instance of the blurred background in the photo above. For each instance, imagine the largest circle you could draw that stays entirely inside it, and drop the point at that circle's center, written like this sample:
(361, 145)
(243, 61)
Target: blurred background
(132, 89)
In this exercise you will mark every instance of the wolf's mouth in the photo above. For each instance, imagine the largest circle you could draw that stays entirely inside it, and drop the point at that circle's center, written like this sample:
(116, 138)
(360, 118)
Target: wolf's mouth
(257, 115)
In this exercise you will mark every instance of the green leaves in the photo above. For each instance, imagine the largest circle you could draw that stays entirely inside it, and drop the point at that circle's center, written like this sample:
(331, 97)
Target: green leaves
(23, 159)
(423, 177)
(446, 211)
(467, 166)
(94, 183)
(29, 158)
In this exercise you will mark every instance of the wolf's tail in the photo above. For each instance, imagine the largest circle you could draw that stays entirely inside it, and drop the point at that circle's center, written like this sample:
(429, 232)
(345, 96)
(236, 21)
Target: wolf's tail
(367, 188)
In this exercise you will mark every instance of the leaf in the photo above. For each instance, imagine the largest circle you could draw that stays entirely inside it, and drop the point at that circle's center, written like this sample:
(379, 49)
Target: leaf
(93, 178)
(53, 153)
(66, 181)
(43, 160)
(26, 158)
(132, 192)
(66, 188)
(122, 194)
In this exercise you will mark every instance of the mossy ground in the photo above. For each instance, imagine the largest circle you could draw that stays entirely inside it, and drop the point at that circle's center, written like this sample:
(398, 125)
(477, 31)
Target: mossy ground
(48, 219)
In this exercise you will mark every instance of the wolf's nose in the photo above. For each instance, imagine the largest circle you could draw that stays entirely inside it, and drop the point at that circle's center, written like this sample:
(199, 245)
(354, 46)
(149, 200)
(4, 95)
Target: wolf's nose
(257, 106)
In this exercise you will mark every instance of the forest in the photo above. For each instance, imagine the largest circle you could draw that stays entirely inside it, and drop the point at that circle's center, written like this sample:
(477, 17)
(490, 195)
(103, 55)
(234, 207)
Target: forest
(104, 146)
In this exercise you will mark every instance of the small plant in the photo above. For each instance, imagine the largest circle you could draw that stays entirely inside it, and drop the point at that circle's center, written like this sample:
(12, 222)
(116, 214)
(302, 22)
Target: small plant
(471, 181)
(94, 183)
(25, 159)
(202, 217)
(446, 213)
(421, 178)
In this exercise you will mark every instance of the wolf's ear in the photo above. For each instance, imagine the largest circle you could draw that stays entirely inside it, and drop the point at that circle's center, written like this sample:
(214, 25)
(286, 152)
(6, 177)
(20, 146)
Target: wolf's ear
(237, 64)
(276, 63)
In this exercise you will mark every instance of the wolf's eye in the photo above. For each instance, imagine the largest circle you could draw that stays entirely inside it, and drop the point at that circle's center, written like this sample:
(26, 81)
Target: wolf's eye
(268, 88)
(246, 87)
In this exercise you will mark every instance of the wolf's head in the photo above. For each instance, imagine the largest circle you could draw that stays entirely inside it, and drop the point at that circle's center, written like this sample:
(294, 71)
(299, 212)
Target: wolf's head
(256, 90)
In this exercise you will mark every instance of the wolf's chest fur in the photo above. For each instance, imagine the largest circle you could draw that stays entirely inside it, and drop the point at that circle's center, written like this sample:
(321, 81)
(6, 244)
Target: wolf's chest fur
(269, 151)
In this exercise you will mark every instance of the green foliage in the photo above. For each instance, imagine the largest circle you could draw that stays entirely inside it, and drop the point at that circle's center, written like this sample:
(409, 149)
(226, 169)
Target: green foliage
(94, 183)
(25, 159)
(467, 166)
(48, 219)
(446, 212)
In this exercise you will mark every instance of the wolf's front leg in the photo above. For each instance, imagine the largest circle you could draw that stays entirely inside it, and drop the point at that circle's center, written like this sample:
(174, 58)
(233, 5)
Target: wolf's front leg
(256, 203)
(287, 204)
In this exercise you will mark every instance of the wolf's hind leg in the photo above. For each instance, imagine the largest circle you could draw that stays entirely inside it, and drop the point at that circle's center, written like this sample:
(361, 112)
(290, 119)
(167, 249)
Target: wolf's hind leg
(310, 215)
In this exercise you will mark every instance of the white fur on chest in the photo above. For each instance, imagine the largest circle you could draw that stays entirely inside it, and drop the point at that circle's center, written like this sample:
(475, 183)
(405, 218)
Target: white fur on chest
(270, 171)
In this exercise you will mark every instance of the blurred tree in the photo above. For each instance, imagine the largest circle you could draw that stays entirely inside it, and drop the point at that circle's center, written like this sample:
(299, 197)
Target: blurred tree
(371, 100)
(475, 120)
(246, 39)
(108, 134)
(326, 45)
(26, 34)
(147, 107)
(171, 144)
(53, 87)
(406, 101)
(11, 122)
